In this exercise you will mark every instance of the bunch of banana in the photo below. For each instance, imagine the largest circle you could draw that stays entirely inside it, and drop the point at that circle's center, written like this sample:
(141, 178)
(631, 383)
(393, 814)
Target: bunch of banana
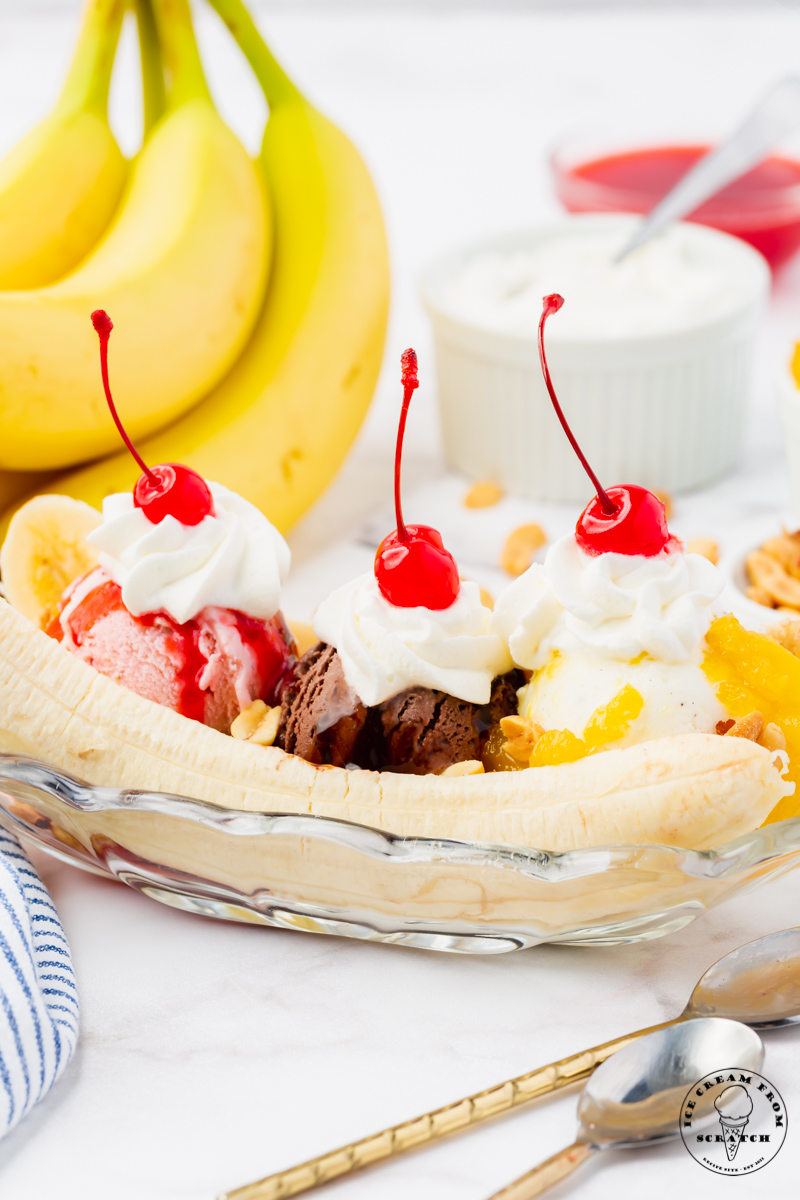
(60, 186)
(182, 266)
(278, 426)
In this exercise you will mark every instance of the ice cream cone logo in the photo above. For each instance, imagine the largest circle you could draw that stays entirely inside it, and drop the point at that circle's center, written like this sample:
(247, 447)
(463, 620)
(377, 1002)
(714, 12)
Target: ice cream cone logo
(733, 1121)
(734, 1107)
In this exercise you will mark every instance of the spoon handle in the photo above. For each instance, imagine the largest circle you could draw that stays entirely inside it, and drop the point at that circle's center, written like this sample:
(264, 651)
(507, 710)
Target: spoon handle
(551, 1171)
(434, 1125)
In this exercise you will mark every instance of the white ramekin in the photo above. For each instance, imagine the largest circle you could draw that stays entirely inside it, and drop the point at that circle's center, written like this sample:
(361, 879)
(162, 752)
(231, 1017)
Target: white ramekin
(665, 411)
(788, 395)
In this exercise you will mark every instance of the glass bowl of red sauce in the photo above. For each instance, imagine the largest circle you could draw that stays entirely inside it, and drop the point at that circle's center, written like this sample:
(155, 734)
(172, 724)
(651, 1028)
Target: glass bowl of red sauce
(761, 207)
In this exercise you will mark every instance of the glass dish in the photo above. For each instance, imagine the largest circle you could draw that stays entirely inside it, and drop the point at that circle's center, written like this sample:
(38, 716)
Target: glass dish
(321, 875)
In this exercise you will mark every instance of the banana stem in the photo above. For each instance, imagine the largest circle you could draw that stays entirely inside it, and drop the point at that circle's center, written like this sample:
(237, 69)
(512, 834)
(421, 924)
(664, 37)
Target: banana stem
(153, 91)
(179, 53)
(278, 87)
(89, 75)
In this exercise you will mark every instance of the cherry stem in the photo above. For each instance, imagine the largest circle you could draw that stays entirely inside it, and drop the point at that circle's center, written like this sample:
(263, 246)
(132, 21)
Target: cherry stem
(408, 361)
(103, 325)
(551, 304)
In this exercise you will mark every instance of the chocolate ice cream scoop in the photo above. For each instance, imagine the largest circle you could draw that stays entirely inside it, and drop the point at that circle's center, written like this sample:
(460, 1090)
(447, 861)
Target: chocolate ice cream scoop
(418, 730)
(322, 718)
(424, 731)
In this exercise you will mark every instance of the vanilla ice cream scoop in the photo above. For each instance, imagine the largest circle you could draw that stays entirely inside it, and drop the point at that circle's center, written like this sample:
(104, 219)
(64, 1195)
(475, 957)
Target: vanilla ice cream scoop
(588, 625)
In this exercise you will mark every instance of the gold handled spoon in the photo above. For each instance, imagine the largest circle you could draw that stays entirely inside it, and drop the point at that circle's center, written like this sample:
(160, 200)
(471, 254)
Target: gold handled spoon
(758, 984)
(635, 1098)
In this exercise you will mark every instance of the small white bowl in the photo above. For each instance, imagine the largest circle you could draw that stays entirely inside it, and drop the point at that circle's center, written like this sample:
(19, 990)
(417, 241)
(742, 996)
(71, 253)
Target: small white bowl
(748, 536)
(661, 409)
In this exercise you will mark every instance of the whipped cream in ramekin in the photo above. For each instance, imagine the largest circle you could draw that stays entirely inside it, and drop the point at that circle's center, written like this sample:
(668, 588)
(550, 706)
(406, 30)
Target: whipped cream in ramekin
(385, 649)
(589, 624)
(235, 559)
(673, 282)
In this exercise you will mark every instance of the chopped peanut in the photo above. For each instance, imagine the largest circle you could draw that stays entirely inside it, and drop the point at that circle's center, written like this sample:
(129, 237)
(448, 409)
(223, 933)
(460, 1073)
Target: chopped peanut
(522, 735)
(772, 738)
(514, 726)
(786, 550)
(472, 766)
(787, 634)
(520, 547)
(520, 749)
(267, 731)
(483, 494)
(666, 500)
(722, 727)
(705, 547)
(767, 573)
(759, 596)
(750, 727)
(249, 720)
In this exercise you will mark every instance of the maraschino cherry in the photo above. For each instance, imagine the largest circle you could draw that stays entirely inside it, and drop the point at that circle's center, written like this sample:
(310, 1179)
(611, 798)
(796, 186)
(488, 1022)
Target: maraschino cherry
(621, 520)
(412, 566)
(170, 489)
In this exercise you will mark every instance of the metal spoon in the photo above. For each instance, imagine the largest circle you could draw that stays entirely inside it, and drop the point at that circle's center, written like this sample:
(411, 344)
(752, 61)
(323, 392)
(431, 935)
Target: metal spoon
(635, 1098)
(776, 114)
(758, 984)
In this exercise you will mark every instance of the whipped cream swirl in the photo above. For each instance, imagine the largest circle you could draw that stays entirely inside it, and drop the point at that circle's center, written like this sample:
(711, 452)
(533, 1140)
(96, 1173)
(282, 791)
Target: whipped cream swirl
(235, 559)
(385, 649)
(615, 605)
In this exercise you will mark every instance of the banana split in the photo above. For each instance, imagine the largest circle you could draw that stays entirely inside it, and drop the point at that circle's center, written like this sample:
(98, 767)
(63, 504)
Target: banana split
(606, 700)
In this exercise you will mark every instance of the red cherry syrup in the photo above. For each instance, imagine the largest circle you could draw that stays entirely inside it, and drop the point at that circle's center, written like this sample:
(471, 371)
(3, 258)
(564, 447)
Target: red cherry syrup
(762, 207)
(412, 567)
(623, 520)
(170, 489)
(270, 642)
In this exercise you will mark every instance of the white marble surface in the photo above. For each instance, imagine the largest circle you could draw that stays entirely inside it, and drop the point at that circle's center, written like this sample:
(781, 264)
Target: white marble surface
(212, 1054)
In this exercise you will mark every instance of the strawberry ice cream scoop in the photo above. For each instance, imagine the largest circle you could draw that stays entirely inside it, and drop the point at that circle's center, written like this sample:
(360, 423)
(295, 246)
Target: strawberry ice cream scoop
(208, 668)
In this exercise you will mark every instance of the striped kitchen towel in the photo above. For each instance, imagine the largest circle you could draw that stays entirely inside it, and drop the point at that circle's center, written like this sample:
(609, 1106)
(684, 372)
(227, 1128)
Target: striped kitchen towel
(38, 998)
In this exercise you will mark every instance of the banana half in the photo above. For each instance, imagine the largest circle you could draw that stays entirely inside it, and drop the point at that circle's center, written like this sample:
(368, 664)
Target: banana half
(694, 790)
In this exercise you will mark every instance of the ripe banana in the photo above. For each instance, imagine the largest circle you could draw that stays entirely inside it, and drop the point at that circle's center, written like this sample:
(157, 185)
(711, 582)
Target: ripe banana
(182, 271)
(60, 186)
(694, 790)
(44, 551)
(278, 427)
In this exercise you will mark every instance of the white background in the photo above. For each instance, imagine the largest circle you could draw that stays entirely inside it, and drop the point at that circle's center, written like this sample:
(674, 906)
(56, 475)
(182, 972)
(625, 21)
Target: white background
(212, 1054)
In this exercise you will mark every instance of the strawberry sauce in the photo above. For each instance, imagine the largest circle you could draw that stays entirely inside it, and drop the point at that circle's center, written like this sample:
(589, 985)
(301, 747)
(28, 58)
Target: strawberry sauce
(762, 207)
(269, 642)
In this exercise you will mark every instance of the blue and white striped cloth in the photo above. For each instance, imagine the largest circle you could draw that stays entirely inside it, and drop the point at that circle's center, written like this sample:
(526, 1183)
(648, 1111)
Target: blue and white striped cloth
(38, 998)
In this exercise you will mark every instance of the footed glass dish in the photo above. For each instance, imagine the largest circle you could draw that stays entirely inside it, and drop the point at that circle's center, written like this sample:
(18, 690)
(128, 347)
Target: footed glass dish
(321, 875)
